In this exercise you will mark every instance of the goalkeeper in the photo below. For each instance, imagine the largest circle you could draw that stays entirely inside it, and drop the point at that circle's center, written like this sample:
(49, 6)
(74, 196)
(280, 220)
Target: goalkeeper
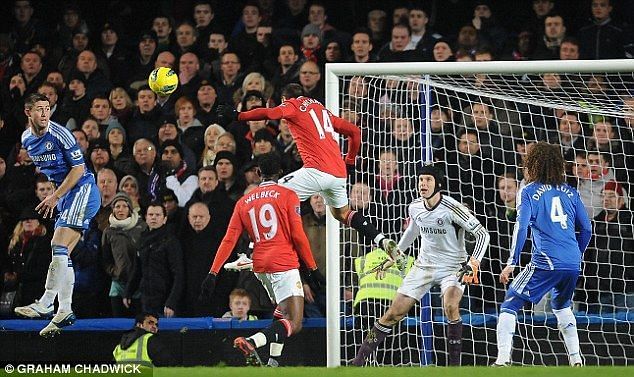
(441, 222)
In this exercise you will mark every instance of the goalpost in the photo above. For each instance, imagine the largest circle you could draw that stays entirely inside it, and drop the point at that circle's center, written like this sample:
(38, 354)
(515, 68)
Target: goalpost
(416, 113)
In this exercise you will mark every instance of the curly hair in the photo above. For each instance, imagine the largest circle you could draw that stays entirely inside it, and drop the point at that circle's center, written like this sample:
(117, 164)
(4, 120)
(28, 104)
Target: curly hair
(545, 164)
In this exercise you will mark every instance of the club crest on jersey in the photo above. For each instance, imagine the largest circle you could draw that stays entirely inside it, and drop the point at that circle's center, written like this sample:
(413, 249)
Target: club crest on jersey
(440, 222)
(48, 146)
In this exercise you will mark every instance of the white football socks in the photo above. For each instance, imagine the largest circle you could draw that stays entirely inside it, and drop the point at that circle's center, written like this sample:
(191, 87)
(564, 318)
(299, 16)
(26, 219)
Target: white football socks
(567, 324)
(505, 331)
(55, 276)
(66, 289)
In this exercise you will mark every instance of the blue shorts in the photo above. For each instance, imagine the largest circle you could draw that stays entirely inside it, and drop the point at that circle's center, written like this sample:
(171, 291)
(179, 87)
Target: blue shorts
(532, 284)
(78, 207)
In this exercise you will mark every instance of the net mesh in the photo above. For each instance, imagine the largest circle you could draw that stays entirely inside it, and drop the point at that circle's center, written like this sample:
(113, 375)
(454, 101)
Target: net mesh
(479, 129)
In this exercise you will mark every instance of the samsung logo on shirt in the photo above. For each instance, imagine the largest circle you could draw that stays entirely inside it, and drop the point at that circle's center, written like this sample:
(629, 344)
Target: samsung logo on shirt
(44, 158)
(430, 230)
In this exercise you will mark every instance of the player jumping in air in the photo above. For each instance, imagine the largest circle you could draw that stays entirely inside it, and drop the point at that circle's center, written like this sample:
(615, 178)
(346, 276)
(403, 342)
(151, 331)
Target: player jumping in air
(55, 152)
(441, 261)
(315, 130)
(270, 215)
(553, 210)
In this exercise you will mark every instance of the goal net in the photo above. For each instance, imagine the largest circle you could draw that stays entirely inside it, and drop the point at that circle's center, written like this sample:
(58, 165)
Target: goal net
(475, 120)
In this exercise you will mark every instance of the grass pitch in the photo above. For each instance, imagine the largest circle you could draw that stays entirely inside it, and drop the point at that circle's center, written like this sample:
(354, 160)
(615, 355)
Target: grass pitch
(395, 372)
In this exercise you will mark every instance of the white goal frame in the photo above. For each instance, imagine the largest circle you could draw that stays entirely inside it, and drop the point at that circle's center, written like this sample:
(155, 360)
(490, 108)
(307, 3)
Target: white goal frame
(334, 70)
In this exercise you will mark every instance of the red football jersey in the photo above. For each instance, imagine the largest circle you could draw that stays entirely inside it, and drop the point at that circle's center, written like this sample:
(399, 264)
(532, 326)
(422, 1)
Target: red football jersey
(270, 214)
(314, 129)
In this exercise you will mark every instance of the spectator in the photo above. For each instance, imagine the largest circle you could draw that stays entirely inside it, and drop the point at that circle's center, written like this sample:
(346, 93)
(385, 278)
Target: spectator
(130, 186)
(205, 25)
(99, 152)
(97, 82)
(77, 103)
(245, 43)
(362, 47)
(176, 216)
(442, 52)
(377, 24)
(206, 96)
(142, 63)
(29, 255)
(188, 75)
(191, 130)
(569, 49)
(254, 81)
(226, 142)
(599, 172)
(400, 14)
(208, 192)
(144, 152)
(422, 40)
(490, 32)
(118, 245)
(58, 115)
(122, 106)
(114, 54)
(32, 71)
(71, 22)
(554, 33)
(212, 132)
(215, 47)
(312, 39)
(56, 78)
(228, 174)
(162, 27)
(158, 269)
(399, 49)
(606, 140)
(294, 15)
(240, 305)
(82, 140)
(179, 177)
(201, 239)
(101, 110)
(535, 23)
(186, 37)
(569, 135)
(145, 117)
(523, 48)
(310, 80)
(333, 53)
(603, 38)
(287, 71)
(26, 29)
(79, 43)
(611, 260)
(469, 174)
(229, 79)
(314, 223)
(134, 349)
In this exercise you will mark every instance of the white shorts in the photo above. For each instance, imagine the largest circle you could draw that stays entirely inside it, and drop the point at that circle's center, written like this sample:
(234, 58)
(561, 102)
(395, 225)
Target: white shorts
(281, 285)
(308, 181)
(419, 281)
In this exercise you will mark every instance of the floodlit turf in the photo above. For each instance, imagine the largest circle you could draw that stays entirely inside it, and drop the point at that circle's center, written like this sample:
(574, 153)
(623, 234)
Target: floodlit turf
(396, 372)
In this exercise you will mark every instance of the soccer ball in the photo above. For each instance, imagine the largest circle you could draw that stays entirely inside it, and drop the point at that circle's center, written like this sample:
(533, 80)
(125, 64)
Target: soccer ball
(163, 81)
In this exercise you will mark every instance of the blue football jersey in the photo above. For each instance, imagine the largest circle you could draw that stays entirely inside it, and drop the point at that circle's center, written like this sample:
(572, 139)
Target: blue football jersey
(55, 153)
(553, 214)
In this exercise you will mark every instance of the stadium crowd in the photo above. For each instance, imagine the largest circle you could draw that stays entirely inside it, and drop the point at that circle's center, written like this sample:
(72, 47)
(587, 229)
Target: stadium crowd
(170, 169)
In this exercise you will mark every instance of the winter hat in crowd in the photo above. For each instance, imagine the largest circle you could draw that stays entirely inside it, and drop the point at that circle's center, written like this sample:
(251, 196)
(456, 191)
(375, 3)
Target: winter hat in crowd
(168, 195)
(122, 196)
(100, 143)
(264, 134)
(250, 94)
(116, 125)
(175, 144)
(225, 155)
(29, 213)
(128, 178)
(312, 29)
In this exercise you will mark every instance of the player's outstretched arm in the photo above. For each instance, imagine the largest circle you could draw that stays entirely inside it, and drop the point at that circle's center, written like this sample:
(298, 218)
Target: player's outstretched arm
(262, 114)
(228, 242)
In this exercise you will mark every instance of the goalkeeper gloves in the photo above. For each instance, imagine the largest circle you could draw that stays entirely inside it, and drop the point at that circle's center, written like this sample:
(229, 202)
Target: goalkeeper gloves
(468, 273)
(315, 279)
(394, 253)
(207, 288)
